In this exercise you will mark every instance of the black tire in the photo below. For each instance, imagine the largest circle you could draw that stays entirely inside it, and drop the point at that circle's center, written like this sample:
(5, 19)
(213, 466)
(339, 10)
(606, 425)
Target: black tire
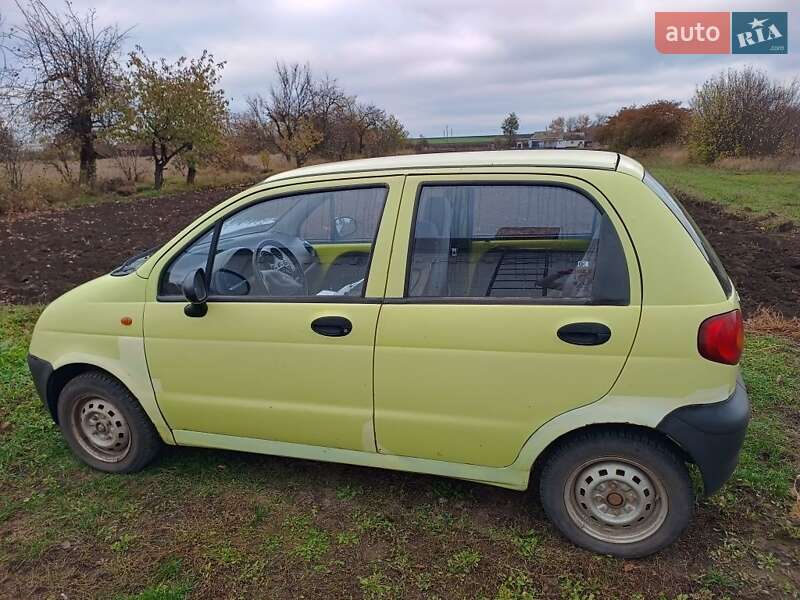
(102, 392)
(580, 462)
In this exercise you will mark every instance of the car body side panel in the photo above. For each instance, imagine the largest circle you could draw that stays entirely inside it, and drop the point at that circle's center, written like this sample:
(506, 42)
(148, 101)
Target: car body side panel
(677, 274)
(487, 375)
(83, 327)
(680, 291)
(484, 377)
(663, 372)
(255, 369)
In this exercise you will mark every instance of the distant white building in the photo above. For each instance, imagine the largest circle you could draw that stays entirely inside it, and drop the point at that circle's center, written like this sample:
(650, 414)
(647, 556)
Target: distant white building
(550, 139)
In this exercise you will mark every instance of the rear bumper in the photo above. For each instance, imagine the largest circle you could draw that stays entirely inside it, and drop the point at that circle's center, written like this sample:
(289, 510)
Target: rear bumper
(712, 435)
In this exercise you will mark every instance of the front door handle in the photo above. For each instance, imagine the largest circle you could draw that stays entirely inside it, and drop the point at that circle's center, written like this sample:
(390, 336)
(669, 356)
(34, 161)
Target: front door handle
(332, 326)
(584, 334)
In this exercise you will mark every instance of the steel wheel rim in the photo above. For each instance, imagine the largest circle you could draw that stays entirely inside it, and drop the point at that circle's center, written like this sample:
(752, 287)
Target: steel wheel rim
(616, 500)
(101, 429)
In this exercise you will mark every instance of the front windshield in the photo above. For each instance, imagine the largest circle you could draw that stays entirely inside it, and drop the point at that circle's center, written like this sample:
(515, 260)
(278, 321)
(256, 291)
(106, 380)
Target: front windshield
(134, 262)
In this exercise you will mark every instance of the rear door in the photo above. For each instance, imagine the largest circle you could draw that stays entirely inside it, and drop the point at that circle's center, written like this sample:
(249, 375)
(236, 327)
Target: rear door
(508, 302)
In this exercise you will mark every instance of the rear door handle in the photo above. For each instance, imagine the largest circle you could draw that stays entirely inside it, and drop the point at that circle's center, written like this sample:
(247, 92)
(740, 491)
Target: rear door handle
(584, 334)
(332, 326)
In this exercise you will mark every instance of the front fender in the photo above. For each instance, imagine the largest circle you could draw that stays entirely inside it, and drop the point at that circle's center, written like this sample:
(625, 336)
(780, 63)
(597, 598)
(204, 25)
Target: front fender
(100, 324)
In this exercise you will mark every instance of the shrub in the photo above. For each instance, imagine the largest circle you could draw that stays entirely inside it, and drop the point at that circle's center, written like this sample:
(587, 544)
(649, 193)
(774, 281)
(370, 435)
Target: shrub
(744, 113)
(35, 195)
(655, 124)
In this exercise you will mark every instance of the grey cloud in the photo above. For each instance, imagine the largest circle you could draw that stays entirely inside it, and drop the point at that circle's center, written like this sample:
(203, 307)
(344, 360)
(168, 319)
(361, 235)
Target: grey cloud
(459, 63)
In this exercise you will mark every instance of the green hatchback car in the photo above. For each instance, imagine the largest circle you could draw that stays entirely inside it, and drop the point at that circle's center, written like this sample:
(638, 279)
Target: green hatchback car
(503, 317)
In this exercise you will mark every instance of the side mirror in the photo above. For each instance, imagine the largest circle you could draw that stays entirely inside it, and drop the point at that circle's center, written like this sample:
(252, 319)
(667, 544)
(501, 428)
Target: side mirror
(345, 226)
(196, 292)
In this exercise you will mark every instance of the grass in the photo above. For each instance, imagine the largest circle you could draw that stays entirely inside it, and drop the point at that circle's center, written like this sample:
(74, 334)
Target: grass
(760, 192)
(43, 188)
(202, 523)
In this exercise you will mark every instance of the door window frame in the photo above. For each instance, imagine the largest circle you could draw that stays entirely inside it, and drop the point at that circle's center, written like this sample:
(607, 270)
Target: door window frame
(216, 220)
(486, 179)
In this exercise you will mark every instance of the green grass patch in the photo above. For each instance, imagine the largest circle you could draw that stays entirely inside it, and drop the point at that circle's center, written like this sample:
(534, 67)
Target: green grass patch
(771, 370)
(30, 442)
(202, 523)
(162, 591)
(761, 192)
(527, 544)
(463, 561)
(517, 586)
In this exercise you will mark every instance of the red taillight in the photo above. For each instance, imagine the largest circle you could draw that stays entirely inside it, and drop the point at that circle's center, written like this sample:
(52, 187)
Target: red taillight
(721, 338)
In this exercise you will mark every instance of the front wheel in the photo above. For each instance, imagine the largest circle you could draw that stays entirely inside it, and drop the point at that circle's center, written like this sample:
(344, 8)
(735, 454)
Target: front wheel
(105, 426)
(624, 493)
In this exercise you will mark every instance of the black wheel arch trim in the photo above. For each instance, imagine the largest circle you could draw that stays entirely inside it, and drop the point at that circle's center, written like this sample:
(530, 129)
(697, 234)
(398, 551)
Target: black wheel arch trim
(49, 381)
(41, 372)
(711, 434)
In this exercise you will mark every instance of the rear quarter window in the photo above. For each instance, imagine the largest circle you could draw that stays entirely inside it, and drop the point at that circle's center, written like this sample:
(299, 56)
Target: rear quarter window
(680, 212)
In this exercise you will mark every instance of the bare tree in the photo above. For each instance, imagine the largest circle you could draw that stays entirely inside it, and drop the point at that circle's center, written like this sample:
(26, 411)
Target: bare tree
(557, 125)
(304, 115)
(329, 106)
(365, 117)
(59, 154)
(70, 75)
(7, 73)
(11, 156)
(577, 123)
(289, 111)
(126, 157)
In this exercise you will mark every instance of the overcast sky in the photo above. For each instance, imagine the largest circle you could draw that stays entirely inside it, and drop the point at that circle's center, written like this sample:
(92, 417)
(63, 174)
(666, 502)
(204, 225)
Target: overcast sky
(436, 63)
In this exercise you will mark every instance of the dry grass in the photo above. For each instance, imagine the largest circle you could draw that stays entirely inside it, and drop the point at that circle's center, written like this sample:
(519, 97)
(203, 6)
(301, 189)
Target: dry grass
(43, 186)
(765, 163)
(795, 512)
(678, 156)
(770, 321)
(108, 170)
(672, 155)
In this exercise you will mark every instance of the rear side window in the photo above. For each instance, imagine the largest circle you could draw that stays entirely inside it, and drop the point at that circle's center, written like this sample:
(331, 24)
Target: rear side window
(693, 230)
(541, 243)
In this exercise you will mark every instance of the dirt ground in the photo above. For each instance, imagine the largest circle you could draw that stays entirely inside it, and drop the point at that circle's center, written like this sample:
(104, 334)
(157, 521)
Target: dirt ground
(764, 262)
(45, 254)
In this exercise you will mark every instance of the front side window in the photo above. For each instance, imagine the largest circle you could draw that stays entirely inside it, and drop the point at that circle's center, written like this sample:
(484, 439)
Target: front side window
(528, 242)
(266, 250)
(343, 218)
(194, 257)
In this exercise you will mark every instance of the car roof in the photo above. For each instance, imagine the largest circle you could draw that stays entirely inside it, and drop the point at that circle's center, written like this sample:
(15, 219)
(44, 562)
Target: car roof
(581, 159)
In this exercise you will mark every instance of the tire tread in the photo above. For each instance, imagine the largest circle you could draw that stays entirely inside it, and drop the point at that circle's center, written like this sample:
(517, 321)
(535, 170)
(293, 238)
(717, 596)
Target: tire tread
(148, 441)
(681, 497)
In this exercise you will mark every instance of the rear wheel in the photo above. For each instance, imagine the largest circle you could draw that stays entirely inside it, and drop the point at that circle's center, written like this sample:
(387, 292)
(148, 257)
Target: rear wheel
(105, 426)
(624, 493)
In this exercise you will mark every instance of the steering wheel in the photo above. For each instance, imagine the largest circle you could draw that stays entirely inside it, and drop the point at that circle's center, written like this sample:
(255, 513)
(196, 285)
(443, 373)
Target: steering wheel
(278, 270)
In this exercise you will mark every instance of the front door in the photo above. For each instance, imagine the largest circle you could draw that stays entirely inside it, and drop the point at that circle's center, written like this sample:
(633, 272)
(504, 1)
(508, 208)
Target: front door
(285, 350)
(507, 304)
